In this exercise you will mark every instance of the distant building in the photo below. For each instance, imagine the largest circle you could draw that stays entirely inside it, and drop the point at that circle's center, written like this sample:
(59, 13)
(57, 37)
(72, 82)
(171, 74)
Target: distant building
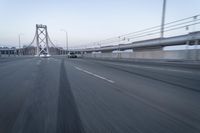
(7, 51)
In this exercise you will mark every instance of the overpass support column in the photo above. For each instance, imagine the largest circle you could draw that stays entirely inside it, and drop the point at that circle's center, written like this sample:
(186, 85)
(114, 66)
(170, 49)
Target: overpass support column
(187, 49)
(196, 43)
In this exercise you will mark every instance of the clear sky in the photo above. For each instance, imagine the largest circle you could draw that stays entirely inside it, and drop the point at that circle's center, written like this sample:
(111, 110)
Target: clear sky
(85, 20)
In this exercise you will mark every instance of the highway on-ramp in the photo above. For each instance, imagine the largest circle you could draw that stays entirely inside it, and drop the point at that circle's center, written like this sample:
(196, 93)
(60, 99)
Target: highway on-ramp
(60, 95)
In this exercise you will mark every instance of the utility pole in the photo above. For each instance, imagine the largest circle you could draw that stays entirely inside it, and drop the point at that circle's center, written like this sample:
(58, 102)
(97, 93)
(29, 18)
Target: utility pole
(163, 19)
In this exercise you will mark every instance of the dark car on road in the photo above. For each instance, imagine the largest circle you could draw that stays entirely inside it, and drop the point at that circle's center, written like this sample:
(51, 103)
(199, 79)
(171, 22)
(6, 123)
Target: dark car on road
(72, 55)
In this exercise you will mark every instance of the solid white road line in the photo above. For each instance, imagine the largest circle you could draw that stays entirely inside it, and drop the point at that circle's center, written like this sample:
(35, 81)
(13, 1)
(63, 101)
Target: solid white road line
(95, 75)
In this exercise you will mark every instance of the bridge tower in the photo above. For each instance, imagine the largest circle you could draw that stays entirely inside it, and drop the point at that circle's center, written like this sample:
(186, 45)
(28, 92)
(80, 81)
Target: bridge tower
(42, 39)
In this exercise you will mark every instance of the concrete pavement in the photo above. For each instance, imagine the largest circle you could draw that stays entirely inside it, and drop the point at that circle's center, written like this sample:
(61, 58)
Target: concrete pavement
(59, 95)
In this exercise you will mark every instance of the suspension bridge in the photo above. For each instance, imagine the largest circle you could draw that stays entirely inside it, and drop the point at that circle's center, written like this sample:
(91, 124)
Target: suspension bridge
(41, 44)
(185, 31)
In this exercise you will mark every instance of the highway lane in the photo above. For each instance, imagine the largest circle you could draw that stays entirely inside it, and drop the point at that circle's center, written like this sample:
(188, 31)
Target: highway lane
(57, 95)
(168, 98)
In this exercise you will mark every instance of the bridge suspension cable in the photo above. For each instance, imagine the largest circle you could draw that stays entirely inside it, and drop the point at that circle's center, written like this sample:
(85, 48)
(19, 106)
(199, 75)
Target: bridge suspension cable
(31, 43)
(53, 44)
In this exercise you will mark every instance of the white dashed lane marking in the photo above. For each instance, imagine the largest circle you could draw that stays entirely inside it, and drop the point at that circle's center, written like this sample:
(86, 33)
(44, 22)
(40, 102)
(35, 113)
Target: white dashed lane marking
(95, 75)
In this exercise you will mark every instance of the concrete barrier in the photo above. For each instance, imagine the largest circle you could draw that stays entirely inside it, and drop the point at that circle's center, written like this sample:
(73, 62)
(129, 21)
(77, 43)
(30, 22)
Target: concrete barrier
(165, 55)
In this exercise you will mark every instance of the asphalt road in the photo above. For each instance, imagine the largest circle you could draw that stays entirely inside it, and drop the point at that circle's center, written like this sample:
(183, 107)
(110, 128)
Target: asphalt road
(59, 95)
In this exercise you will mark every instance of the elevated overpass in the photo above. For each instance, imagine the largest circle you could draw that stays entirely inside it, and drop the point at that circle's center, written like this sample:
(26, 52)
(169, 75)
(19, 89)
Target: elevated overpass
(146, 45)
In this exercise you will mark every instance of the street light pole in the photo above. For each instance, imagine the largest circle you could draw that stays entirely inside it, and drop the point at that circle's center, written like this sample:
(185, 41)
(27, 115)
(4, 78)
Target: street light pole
(19, 41)
(66, 40)
(163, 19)
(19, 37)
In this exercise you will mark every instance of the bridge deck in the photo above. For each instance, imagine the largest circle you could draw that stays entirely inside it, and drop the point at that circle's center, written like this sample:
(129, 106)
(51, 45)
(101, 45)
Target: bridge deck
(57, 95)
